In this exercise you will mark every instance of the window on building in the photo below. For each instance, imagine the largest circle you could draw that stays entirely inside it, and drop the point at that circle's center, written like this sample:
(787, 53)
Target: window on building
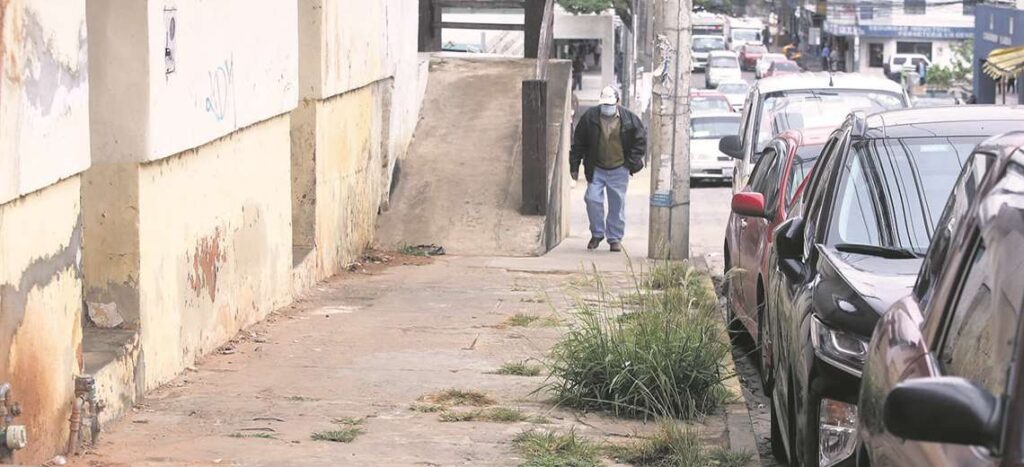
(969, 6)
(914, 7)
(876, 55)
(866, 12)
(923, 48)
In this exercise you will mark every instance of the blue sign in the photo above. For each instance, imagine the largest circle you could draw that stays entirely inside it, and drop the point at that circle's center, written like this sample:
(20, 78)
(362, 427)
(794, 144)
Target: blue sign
(897, 31)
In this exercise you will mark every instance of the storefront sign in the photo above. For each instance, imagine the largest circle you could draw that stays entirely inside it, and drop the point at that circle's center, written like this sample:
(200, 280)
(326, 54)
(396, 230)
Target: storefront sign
(996, 38)
(892, 30)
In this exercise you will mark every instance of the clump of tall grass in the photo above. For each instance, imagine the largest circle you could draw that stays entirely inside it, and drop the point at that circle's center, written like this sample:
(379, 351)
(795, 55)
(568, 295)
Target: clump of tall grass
(676, 446)
(666, 360)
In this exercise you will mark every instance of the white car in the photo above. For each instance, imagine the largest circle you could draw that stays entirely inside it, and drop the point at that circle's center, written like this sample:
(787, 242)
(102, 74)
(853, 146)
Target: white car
(702, 46)
(722, 66)
(706, 161)
(736, 92)
(766, 61)
(904, 62)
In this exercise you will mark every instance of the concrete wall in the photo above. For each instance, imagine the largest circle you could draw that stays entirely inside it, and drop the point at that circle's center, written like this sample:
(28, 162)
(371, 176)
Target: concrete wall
(361, 83)
(44, 94)
(44, 145)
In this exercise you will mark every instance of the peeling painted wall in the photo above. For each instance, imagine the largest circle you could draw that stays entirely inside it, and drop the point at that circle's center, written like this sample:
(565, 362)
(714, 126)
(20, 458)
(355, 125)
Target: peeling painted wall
(214, 241)
(44, 95)
(40, 310)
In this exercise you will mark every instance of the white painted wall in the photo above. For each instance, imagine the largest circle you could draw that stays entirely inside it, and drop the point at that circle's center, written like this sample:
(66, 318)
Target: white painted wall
(601, 27)
(44, 94)
(235, 65)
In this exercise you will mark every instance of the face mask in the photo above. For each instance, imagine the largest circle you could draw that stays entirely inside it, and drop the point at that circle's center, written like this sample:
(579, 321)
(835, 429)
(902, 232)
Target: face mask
(607, 110)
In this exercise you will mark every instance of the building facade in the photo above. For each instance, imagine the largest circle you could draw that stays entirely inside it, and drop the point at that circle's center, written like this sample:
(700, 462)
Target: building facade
(995, 27)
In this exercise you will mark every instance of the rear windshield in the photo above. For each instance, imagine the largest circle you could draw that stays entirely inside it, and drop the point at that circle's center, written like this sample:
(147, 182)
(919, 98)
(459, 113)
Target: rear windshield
(710, 103)
(723, 62)
(707, 44)
(802, 164)
(785, 66)
(893, 190)
(733, 88)
(713, 127)
(795, 110)
(746, 35)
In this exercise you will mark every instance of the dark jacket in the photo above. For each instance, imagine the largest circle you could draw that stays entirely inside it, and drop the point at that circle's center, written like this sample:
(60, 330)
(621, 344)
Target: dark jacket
(587, 140)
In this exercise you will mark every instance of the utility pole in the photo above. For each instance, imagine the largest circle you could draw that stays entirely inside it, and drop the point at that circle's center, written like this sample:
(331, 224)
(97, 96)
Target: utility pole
(669, 236)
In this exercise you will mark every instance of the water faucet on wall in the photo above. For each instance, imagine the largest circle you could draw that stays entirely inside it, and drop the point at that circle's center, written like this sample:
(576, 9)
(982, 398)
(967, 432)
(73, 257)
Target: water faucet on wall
(12, 437)
(85, 413)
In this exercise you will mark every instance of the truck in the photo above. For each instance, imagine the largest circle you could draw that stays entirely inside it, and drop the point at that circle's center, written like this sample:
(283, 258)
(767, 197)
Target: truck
(708, 24)
(742, 31)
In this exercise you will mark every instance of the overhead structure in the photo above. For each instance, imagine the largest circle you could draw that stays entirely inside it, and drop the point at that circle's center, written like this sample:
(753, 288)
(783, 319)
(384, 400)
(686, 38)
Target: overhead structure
(432, 21)
(1005, 63)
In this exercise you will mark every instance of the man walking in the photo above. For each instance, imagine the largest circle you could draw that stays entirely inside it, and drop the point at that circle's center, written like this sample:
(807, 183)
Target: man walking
(611, 143)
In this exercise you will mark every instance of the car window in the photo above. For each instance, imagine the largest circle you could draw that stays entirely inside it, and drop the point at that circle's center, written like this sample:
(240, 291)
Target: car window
(964, 193)
(910, 180)
(802, 164)
(816, 198)
(899, 61)
(705, 44)
(723, 62)
(762, 172)
(713, 127)
(710, 103)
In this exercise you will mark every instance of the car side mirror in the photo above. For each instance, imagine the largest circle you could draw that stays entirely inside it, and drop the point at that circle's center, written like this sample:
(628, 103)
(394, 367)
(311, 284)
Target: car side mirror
(748, 204)
(789, 247)
(730, 146)
(943, 410)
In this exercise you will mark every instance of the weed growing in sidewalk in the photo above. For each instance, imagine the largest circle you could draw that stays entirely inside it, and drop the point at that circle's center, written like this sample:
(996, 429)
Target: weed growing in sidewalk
(666, 360)
(425, 408)
(253, 435)
(300, 398)
(458, 397)
(495, 414)
(350, 421)
(412, 250)
(725, 458)
(521, 320)
(344, 435)
(544, 448)
(519, 369)
(675, 446)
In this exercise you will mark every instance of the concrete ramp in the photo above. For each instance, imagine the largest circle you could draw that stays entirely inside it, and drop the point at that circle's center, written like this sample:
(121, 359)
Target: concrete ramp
(459, 185)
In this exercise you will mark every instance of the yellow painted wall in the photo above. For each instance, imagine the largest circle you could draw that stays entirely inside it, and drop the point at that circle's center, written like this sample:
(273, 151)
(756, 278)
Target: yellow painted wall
(215, 244)
(40, 311)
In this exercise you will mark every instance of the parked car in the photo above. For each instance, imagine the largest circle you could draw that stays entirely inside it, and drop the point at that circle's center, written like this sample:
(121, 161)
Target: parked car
(787, 102)
(765, 61)
(942, 382)
(782, 68)
(702, 47)
(735, 91)
(750, 54)
(852, 249)
(706, 161)
(708, 100)
(722, 66)
(762, 205)
(899, 63)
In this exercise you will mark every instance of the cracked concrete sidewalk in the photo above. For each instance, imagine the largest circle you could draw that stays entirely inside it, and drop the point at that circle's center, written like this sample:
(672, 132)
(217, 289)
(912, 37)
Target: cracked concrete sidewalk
(369, 346)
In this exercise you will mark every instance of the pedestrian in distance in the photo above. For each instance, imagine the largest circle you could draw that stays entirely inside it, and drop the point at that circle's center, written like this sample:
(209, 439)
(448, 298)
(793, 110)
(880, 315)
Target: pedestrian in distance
(826, 53)
(577, 73)
(610, 142)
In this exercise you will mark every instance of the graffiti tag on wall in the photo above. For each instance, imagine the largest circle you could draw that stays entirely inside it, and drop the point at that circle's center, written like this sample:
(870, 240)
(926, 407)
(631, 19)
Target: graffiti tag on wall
(222, 89)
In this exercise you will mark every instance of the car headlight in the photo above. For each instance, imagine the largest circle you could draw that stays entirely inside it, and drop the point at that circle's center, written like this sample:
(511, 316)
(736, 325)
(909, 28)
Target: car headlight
(841, 349)
(837, 432)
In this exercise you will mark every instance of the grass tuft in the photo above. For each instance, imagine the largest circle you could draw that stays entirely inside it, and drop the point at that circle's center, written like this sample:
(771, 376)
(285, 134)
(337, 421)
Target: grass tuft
(425, 408)
(544, 448)
(301, 398)
(725, 458)
(671, 446)
(345, 435)
(350, 421)
(458, 397)
(494, 414)
(521, 320)
(253, 435)
(412, 250)
(665, 360)
(520, 369)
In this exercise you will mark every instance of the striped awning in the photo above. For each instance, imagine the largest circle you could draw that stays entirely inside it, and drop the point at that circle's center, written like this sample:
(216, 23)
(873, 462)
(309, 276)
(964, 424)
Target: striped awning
(1005, 63)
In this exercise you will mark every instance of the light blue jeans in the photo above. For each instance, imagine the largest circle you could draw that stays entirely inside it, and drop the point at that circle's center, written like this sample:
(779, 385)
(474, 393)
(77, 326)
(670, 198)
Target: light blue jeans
(615, 182)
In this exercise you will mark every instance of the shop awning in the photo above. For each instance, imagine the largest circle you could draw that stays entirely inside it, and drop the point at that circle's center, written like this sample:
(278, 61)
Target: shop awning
(1005, 63)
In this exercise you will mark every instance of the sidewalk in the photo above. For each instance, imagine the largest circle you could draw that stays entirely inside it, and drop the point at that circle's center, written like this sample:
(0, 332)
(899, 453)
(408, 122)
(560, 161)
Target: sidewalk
(369, 345)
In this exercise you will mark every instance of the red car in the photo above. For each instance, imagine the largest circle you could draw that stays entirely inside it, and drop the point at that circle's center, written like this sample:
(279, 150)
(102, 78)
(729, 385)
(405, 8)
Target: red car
(782, 68)
(774, 186)
(749, 54)
(708, 101)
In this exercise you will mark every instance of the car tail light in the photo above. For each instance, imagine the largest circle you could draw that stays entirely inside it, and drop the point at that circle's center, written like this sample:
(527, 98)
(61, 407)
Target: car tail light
(837, 432)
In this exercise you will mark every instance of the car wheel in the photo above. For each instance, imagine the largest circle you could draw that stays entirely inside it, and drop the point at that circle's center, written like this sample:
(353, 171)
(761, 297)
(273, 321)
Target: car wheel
(764, 349)
(807, 438)
(778, 446)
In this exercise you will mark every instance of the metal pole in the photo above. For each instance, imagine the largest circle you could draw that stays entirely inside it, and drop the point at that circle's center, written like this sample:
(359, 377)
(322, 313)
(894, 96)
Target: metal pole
(670, 154)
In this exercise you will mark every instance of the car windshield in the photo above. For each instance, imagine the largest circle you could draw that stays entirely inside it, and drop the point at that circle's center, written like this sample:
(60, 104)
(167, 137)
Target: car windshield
(755, 49)
(706, 44)
(893, 190)
(723, 62)
(713, 127)
(801, 166)
(790, 110)
(709, 103)
(784, 66)
(733, 88)
(746, 35)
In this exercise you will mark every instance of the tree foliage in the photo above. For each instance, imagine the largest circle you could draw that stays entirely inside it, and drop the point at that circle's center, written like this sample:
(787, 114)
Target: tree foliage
(623, 8)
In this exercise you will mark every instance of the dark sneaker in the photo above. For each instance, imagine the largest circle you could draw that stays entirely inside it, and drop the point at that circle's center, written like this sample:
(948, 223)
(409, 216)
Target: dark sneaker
(615, 246)
(594, 243)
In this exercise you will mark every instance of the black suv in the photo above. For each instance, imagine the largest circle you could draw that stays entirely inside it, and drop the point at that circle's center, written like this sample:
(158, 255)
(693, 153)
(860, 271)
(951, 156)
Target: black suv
(848, 252)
